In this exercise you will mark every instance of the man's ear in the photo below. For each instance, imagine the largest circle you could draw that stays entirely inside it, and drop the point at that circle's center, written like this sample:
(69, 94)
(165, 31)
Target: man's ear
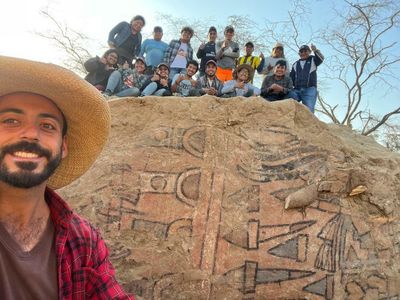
(64, 147)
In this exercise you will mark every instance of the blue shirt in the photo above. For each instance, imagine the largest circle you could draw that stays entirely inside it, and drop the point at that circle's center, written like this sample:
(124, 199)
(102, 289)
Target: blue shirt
(154, 51)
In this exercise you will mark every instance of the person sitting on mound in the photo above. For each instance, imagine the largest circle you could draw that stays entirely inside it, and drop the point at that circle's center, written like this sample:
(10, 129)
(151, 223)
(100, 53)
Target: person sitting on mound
(126, 82)
(100, 69)
(240, 85)
(159, 84)
(209, 84)
(278, 86)
(183, 84)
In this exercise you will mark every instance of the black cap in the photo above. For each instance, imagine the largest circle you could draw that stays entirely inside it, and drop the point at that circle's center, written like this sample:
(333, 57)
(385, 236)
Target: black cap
(249, 44)
(157, 29)
(229, 28)
(212, 28)
(304, 47)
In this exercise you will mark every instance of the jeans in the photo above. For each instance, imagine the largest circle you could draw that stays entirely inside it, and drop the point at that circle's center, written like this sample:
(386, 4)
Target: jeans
(276, 97)
(174, 71)
(114, 82)
(307, 96)
(151, 89)
(114, 85)
(129, 92)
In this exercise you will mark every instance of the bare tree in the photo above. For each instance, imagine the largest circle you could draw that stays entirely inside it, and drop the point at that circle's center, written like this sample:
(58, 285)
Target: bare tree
(245, 29)
(364, 58)
(70, 41)
(392, 139)
(294, 31)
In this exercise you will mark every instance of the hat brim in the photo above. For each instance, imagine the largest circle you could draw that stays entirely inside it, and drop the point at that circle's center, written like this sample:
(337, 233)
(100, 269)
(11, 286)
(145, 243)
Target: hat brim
(163, 64)
(86, 111)
(241, 67)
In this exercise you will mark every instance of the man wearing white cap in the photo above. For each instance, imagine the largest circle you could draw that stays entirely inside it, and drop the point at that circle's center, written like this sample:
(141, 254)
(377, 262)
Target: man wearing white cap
(53, 125)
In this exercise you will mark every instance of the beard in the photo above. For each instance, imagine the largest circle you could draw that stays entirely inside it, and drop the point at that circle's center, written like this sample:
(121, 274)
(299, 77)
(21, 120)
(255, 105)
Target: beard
(211, 73)
(25, 178)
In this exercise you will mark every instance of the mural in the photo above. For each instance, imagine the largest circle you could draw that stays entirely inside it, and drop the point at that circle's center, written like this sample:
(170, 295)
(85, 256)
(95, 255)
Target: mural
(226, 204)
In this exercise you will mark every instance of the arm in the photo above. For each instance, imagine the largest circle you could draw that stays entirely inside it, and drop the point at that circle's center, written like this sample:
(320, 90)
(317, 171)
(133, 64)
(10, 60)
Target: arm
(229, 50)
(113, 33)
(219, 87)
(200, 52)
(293, 74)
(168, 53)
(94, 65)
(143, 48)
(219, 50)
(288, 85)
(260, 67)
(175, 82)
(100, 276)
(319, 58)
(265, 86)
(139, 46)
(228, 87)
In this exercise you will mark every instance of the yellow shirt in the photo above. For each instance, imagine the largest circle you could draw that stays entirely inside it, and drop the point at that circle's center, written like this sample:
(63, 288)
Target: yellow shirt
(253, 61)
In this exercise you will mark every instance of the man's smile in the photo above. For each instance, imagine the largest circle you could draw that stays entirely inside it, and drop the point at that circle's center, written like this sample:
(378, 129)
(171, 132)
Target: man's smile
(22, 154)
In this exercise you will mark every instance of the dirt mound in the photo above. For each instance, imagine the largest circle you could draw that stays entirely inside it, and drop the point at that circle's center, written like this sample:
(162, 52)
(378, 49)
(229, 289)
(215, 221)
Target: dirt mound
(190, 196)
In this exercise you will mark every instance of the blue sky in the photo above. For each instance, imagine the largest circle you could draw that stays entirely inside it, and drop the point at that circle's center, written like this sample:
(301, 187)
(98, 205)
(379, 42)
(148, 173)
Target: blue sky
(95, 18)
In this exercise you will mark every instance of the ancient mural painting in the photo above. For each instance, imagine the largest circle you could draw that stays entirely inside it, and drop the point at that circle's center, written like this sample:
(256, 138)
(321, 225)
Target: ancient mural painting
(227, 202)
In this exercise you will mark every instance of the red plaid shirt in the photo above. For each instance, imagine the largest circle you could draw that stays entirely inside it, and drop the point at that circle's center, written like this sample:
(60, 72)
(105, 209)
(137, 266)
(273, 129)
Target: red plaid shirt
(84, 270)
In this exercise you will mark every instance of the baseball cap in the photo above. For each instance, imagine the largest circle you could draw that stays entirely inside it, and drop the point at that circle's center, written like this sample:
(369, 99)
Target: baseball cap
(229, 28)
(304, 47)
(163, 64)
(141, 59)
(211, 61)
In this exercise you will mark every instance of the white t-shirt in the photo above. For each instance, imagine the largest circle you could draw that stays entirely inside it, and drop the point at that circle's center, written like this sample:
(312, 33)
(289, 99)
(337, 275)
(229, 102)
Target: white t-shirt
(183, 87)
(271, 61)
(180, 59)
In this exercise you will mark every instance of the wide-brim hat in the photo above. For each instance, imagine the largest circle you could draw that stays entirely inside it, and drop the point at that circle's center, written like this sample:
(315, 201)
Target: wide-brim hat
(241, 67)
(86, 111)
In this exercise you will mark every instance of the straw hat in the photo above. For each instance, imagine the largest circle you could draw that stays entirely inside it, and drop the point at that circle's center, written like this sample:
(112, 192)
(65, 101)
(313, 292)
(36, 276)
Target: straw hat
(244, 66)
(86, 112)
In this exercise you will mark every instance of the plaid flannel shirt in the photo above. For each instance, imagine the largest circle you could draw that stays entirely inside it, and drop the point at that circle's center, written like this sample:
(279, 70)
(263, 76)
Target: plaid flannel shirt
(131, 78)
(84, 270)
(172, 51)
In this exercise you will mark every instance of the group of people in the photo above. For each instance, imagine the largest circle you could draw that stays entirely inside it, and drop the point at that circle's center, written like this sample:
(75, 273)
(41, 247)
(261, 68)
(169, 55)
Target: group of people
(152, 67)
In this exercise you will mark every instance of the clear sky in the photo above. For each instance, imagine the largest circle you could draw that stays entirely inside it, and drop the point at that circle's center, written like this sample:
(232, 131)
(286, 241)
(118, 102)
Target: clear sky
(95, 18)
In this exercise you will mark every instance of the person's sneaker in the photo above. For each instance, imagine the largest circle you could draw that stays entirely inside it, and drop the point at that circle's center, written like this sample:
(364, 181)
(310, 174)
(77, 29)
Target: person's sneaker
(107, 94)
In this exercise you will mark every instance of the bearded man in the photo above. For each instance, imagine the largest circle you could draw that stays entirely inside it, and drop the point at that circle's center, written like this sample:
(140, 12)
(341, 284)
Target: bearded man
(53, 125)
